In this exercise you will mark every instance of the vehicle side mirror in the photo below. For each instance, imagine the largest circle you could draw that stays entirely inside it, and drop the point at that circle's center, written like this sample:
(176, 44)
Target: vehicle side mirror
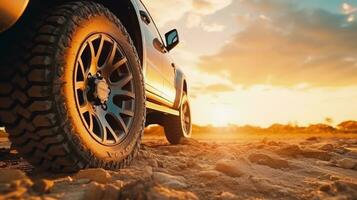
(172, 39)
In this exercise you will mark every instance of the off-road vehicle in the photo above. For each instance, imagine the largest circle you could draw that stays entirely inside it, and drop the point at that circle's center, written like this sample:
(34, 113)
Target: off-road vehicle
(80, 80)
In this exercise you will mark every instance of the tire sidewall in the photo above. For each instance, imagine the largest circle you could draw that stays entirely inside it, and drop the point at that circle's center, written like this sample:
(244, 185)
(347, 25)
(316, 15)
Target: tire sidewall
(183, 101)
(101, 23)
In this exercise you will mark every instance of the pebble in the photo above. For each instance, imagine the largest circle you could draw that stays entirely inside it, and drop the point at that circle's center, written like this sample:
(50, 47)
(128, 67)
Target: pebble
(266, 160)
(167, 180)
(327, 147)
(97, 175)
(229, 167)
(209, 174)
(347, 163)
(43, 186)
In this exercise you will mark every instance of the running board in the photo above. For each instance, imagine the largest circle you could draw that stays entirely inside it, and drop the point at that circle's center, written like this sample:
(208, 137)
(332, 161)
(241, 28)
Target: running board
(161, 108)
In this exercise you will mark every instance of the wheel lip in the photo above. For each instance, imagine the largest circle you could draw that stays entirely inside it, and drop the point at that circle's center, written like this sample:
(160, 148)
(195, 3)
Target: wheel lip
(82, 47)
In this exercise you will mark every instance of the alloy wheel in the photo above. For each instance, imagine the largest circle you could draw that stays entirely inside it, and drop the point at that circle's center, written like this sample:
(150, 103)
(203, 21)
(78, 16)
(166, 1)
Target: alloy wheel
(104, 89)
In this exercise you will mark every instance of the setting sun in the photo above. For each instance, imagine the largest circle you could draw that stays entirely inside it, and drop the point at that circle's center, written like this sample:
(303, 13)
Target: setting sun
(222, 115)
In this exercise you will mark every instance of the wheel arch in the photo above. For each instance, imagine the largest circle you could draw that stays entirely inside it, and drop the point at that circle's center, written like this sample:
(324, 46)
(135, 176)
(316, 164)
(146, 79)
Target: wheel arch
(125, 10)
(181, 86)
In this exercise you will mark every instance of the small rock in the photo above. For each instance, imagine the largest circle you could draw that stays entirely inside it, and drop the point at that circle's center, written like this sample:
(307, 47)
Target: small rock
(82, 181)
(228, 167)
(325, 188)
(323, 163)
(210, 174)
(119, 183)
(111, 192)
(327, 147)
(341, 150)
(97, 175)
(148, 170)
(263, 159)
(291, 151)
(64, 179)
(202, 185)
(94, 191)
(317, 154)
(43, 186)
(227, 196)
(176, 182)
(8, 175)
(346, 163)
(163, 193)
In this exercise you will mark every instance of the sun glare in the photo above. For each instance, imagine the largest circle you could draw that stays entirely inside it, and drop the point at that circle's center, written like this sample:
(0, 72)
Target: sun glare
(222, 115)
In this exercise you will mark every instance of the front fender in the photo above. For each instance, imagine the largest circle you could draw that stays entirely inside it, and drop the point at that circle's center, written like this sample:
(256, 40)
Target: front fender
(10, 12)
(179, 82)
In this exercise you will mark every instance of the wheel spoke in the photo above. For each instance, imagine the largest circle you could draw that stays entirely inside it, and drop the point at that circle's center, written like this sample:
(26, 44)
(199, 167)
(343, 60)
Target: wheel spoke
(106, 127)
(91, 122)
(110, 58)
(80, 85)
(122, 124)
(123, 93)
(83, 109)
(100, 49)
(92, 67)
(112, 132)
(81, 65)
(128, 113)
(123, 81)
(187, 120)
(119, 63)
(112, 108)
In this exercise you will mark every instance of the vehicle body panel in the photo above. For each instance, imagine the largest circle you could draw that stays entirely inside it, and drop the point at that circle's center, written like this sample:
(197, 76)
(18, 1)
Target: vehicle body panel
(163, 80)
(10, 12)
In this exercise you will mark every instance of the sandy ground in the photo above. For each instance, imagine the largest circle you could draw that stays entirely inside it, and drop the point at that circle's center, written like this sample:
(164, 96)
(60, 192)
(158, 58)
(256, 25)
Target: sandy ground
(206, 167)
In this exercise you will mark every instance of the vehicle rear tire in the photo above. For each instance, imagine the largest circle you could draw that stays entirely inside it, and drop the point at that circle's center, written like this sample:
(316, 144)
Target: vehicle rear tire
(179, 127)
(81, 100)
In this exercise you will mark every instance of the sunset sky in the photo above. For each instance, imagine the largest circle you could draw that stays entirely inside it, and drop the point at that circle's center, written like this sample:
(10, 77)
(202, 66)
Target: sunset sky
(268, 61)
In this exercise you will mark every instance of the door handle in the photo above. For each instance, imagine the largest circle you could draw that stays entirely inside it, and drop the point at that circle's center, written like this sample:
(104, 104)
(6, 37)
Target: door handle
(145, 17)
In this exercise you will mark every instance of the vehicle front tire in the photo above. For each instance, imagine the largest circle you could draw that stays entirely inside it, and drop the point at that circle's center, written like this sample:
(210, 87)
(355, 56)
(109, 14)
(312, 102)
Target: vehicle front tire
(179, 127)
(82, 100)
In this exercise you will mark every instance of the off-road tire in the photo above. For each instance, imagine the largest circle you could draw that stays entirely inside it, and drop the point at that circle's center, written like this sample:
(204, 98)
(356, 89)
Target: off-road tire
(174, 126)
(35, 107)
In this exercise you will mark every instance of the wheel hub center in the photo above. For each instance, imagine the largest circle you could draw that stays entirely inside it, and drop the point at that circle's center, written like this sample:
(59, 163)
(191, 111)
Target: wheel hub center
(102, 91)
(99, 90)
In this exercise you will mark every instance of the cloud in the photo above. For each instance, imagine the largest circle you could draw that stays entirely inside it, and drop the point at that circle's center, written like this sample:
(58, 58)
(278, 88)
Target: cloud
(214, 88)
(174, 10)
(349, 10)
(213, 27)
(294, 46)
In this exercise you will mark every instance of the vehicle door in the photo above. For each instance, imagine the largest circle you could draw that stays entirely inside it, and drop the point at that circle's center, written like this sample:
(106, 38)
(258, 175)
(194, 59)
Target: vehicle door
(154, 77)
